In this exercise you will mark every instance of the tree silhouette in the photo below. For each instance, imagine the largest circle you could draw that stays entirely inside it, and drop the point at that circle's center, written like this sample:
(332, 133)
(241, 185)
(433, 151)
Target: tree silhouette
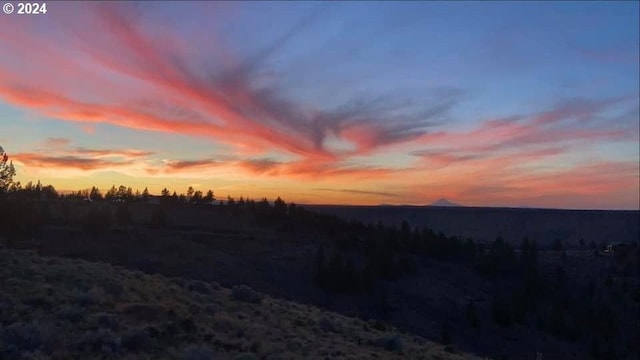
(209, 197)
(7, 171)
(280, 207)
(122, 192)
(95, 194)
(231, 202)
(129, 194)
(49, 192)
(111, 194)
(15, 186)
(145, 194)
(338, 273)
(197, 197)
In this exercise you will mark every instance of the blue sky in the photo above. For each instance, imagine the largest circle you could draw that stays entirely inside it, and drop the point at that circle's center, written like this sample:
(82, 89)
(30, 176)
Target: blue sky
(380, 102)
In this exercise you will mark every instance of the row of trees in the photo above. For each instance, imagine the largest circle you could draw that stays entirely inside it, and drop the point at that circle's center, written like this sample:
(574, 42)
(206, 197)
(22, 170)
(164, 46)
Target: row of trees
(121, 193)
(35, 191)
(192, 196)
(32, 191)
(385, 252)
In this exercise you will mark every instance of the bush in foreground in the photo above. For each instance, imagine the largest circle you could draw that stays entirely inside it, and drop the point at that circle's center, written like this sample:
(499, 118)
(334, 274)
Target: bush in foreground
(245, 293)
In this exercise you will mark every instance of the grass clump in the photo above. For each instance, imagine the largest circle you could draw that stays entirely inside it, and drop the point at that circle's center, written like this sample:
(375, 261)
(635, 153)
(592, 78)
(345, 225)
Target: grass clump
(245, 293)
(197, 352)
(101, 341)
(246, 356)
(391, 343)
(327, 325)
(143, 312)
(199, 287)
(26, 336)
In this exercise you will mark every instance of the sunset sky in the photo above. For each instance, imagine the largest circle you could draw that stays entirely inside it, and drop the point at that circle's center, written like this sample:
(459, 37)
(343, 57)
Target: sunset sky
(486, 104)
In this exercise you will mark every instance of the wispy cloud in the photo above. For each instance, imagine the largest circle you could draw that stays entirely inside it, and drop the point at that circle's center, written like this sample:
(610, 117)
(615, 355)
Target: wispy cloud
(229, 107)
(303, 169)
(68, 162)
(126, 153)
(59, 154)
(57, 142)
(363, 192)
(179, 165)
(570, 122)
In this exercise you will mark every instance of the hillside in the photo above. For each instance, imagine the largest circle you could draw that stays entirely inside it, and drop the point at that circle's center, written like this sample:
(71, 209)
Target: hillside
(497, 299)
(62, 308)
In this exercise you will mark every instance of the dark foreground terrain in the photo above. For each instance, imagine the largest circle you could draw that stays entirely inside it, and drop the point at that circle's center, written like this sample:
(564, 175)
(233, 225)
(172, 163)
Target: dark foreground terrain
(155, 268)
(63, 309)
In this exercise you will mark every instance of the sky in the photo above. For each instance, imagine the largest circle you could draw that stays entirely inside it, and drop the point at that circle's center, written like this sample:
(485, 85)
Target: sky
(484, 103)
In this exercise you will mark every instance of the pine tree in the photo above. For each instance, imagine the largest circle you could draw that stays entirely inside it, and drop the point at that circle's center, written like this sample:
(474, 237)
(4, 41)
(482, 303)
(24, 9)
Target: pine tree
(196, 198)
(230, 201)
(7, 171)
(209, 197)
(112, 194)
(95, 194)
(279, 207)
(145, 194)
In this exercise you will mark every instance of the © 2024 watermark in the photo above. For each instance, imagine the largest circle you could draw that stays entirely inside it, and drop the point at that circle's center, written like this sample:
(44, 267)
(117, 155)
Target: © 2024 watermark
(25, 8)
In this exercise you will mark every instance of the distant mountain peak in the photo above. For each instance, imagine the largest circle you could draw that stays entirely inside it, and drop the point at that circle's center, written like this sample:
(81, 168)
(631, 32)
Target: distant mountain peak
(443, 202)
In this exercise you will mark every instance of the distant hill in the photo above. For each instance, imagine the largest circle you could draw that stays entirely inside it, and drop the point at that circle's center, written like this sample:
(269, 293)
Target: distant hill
(443, 202)
(486, 223)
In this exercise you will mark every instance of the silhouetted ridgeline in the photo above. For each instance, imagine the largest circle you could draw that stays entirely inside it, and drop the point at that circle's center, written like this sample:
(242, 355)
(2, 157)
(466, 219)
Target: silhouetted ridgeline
(513, 224)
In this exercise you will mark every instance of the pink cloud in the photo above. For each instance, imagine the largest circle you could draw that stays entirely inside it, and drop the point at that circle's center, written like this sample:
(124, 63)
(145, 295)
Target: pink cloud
(67, 162)
(576, 120)
(150, 63)
(60, 155)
